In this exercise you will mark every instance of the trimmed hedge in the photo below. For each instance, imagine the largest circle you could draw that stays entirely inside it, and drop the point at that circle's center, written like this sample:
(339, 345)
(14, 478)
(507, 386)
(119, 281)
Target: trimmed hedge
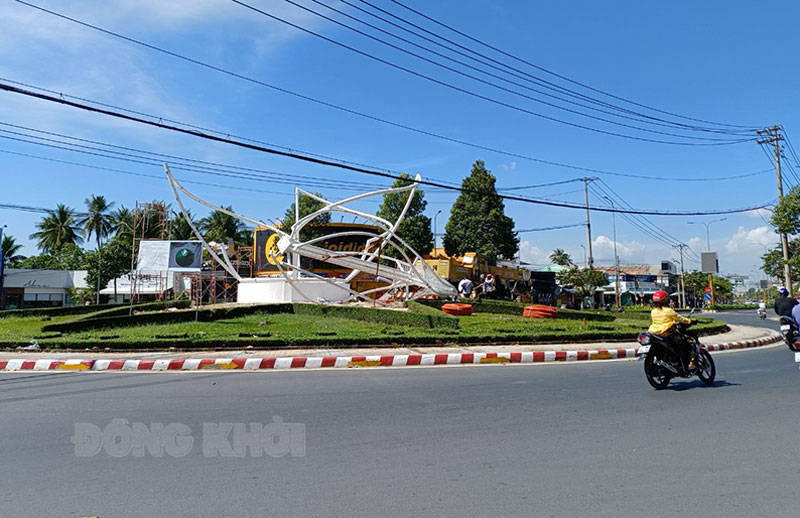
(506, 307)
(57, 311)
(208, 314)
(440, 337)
(723, 307)
(140, 307)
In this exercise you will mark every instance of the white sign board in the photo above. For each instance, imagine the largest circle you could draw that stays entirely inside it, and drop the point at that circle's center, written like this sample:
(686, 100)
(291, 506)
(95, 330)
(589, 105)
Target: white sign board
(162, 256)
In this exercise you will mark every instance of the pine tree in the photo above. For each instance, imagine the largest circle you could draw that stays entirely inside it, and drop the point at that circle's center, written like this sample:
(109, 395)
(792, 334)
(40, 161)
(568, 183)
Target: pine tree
(415, 229)
(477, 220)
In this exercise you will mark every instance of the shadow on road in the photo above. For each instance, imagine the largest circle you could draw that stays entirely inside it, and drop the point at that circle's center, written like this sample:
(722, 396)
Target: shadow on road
(686, 385)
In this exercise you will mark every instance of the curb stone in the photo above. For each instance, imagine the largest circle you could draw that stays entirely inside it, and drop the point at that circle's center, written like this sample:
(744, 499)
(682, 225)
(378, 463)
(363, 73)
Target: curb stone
(402, 360)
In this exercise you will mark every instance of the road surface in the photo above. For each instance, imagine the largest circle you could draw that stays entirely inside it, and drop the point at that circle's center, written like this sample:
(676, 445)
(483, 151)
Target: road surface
(571, 440)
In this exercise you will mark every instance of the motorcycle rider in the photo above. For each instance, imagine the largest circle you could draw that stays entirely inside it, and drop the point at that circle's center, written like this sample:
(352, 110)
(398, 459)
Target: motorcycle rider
(762, 309)
(664, 320)
(784, 303)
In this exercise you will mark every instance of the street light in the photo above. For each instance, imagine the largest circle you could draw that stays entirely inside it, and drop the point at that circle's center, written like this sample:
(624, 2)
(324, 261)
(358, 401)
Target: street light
(434, 227)
(616, 258)
(708, 235)
(584, 255)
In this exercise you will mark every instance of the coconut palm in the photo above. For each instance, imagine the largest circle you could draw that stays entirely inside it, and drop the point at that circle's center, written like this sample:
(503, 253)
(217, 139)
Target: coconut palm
(100, 222)
(122, 222)
(181, 228)
(56, 229)
(220, 227)
(560, 257)
(10, 248)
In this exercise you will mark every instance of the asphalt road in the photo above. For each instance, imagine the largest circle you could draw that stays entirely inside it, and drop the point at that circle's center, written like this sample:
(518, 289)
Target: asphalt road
(574, 440)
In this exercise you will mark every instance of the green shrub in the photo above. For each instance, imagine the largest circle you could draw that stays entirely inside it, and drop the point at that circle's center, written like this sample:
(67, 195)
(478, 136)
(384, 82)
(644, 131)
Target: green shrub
(113, 318)
(57, 311)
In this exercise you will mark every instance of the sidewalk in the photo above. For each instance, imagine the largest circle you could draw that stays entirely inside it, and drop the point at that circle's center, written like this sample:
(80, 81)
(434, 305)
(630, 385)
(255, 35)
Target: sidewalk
(740, 337)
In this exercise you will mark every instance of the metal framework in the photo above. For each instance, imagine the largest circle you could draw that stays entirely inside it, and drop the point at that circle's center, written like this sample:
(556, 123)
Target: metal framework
(407, 277)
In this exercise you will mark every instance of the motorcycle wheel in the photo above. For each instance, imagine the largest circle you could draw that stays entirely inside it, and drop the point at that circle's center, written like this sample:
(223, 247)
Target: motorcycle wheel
(657, 376)
(706, 370)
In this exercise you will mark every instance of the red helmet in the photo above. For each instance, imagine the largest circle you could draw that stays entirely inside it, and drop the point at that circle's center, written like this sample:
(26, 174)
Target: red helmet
(660, 296)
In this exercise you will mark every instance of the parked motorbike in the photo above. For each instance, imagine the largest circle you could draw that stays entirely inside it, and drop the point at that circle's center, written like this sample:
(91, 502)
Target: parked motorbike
(790, 333)
(666, 359)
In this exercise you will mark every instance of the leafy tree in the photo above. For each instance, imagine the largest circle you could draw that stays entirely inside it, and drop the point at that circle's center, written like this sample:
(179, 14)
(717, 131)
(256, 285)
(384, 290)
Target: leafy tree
(68, 256)
(477, 219)
(585, 280)
(10, 248)
(696, 283)
(415, 229)
(220, 227)
(180, 227)
(560, 257)
(57, 229)
(307, 206)
(99, 222)
(117, 262)
(786, 214)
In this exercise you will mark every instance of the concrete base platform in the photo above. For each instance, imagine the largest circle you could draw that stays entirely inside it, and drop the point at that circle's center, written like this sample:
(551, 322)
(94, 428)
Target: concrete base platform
(277, 289)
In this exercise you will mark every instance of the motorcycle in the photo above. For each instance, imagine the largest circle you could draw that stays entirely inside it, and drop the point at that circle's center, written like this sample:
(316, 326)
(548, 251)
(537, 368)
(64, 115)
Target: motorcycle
(790, 333)
(762, 313)
(664, 359)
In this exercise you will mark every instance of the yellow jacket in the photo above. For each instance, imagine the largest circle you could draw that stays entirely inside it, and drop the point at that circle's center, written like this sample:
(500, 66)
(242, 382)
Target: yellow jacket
(663, 320)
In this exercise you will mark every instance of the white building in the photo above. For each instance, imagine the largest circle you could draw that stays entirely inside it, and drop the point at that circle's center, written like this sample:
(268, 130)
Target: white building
(29, 288)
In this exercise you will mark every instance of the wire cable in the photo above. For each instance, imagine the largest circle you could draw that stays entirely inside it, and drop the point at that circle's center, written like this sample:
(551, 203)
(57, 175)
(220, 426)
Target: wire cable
(562, 77)
(347, 167)
(711, 141)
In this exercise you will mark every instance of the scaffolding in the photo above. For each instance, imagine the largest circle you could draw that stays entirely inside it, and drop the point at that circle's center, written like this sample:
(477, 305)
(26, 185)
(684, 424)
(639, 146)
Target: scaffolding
(151, 220)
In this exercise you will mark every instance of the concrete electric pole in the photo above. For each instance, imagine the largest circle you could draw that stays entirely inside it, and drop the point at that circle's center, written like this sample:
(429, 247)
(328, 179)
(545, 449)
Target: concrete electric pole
(773, 137)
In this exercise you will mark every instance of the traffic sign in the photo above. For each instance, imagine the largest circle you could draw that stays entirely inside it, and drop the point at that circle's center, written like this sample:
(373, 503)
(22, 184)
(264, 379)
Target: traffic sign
(708, 296)
(708, 289)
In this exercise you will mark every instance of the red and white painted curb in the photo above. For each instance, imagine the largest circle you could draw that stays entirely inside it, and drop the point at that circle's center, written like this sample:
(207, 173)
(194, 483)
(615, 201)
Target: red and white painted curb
(393, 360)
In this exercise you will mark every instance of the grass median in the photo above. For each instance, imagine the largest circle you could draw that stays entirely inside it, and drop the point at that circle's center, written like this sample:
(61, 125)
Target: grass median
(311, 326)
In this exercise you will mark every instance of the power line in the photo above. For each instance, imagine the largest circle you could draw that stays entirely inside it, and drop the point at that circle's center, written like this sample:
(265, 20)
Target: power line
(538, 67)
(713, 142)
(477, 146)
(542, 229)
(348, 167)
(646, 120)
(471, 53)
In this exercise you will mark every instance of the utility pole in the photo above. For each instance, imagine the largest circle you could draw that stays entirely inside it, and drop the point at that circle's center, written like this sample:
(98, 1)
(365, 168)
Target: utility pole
(2, 268)
(590, 260)
(680, 248)
(773, 137)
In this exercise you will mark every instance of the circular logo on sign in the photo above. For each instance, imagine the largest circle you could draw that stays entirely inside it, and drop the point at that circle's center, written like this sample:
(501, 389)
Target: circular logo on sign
(184, 257)
(271, 250)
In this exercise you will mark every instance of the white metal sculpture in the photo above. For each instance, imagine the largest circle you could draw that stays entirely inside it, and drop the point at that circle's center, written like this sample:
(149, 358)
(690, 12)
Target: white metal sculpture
(408, 277)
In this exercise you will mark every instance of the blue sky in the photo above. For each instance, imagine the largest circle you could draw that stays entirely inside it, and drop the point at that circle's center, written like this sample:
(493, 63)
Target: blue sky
(722, 61)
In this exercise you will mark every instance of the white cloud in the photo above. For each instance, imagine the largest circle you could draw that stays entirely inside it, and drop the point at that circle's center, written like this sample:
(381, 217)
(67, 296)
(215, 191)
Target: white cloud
(533, 255)
(630, 252)
(760, 213)
(511, 166)
(751, 240)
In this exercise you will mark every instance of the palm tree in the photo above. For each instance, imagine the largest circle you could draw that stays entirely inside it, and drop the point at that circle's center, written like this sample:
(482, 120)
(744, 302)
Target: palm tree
(560, 257)
(220, 227)
(57, 229)
(122, 222)
(100, 223)
(181, 228)
(10, 248)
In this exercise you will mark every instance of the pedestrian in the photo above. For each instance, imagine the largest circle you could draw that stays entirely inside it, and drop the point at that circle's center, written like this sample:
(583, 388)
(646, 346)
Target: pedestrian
(465, 286)
(488, 286)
